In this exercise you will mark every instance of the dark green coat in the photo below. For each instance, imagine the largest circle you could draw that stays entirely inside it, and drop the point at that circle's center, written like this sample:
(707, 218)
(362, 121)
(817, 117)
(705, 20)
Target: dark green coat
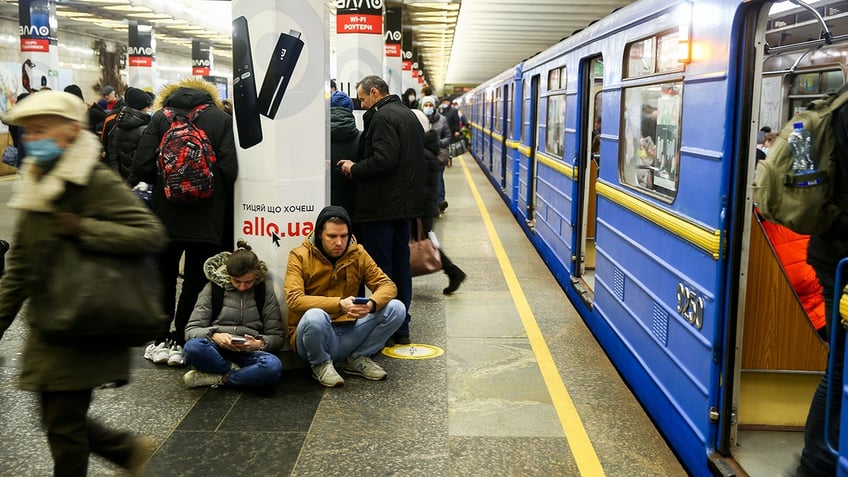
(114, 220)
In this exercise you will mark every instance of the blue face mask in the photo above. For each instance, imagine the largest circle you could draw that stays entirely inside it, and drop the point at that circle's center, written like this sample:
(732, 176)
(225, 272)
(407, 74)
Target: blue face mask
(45, 151)
(429, 111)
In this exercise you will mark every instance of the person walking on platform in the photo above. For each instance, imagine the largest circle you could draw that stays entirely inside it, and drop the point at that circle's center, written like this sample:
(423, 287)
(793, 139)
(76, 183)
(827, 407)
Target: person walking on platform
(63, 173)
(439, 124)
(388, 180)
(198, 230)
(327, 323)
(431, 209)
(236, 324)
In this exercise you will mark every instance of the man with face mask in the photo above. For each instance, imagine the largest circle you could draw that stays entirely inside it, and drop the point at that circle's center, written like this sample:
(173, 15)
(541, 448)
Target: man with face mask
(65, 191)
(327, 324)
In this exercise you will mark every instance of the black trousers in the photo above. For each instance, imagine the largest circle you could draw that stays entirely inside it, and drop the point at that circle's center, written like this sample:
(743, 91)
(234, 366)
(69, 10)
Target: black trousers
(194, 279)
(72, 436)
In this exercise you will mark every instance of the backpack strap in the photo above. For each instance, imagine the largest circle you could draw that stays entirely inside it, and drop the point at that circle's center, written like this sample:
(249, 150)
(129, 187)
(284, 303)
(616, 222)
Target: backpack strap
(218, 298)
(259, 296)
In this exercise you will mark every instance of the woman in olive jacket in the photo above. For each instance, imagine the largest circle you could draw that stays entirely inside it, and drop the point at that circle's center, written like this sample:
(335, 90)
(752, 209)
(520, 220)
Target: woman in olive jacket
(64, 190)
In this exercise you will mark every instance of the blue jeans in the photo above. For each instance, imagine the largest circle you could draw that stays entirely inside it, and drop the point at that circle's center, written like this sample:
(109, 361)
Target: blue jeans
(258, 368)
(319, 339)
(388, 244)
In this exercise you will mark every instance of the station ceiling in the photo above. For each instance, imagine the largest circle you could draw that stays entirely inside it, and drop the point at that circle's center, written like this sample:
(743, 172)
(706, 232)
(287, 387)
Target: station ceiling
(461, 42)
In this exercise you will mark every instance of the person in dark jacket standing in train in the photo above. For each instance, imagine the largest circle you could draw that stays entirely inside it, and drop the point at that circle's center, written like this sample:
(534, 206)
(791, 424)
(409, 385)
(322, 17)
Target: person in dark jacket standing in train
(389, 184)
(824, 252)
(125, 132)
(199, 230)
(344, 144)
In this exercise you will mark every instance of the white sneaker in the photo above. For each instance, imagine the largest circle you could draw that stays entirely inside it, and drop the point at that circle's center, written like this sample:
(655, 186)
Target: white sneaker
(158, 353)
(196, 379)
(148, 352)
(363, 366)
(326, 374)
(176, 356)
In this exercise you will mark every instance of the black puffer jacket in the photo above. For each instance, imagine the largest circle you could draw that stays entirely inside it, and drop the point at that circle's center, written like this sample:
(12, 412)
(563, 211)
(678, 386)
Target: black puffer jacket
(389, 174)
(122, 140)
(203, 222)
(431, 183)
(344, 144)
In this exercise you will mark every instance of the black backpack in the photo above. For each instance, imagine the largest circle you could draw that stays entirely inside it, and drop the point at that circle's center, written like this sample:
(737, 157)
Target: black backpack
(218, 298)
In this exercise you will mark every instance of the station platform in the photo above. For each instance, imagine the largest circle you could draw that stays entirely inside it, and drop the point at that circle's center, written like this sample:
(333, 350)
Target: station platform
(521, 388)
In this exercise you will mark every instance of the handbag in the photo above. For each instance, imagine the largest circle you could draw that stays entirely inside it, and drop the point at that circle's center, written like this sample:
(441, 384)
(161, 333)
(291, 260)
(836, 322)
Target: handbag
(82, 298)
(10, 156)
(424, 256)
(456, 148)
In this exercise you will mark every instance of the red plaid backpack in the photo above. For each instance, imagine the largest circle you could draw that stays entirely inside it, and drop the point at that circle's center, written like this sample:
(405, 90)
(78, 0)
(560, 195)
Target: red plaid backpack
(186, 157)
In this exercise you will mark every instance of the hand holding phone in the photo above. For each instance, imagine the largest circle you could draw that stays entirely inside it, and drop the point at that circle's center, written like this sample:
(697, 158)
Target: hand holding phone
(238, 340)
(361, 300)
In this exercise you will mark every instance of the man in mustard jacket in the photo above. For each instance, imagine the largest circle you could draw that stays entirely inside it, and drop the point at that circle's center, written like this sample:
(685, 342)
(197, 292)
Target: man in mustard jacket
(327, 323)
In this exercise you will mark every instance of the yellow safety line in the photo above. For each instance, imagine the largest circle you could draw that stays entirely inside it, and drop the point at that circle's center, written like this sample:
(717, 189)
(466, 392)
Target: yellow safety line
(575, 433)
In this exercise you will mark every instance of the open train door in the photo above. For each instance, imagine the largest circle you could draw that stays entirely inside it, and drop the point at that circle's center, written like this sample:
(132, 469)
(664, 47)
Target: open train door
(588, 165)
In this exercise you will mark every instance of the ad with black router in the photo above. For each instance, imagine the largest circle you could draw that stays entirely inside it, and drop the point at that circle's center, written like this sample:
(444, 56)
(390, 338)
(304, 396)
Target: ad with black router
(280, 122)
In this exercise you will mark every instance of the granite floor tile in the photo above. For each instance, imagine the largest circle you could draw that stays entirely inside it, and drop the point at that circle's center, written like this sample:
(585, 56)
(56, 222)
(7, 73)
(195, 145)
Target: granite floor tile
(511, 457)
(248, 452)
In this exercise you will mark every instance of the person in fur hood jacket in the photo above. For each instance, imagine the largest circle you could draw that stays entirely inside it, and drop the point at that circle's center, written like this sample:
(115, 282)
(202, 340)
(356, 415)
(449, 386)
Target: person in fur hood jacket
(196, 230)
(231, 342)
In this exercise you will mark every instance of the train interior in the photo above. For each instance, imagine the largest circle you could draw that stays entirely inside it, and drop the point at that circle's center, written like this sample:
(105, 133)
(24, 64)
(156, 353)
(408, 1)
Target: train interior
(780, 355)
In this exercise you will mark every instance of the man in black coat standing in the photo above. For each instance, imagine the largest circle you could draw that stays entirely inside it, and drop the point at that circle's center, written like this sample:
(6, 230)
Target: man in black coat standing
(389, 184)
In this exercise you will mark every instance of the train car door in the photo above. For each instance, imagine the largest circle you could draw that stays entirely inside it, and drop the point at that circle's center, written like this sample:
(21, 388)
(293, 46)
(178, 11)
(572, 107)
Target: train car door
(531, 159)
(588, 164)
(505, 128)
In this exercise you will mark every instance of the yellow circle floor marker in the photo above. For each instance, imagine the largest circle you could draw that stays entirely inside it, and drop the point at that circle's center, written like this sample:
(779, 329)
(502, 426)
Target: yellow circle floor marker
(413, 351)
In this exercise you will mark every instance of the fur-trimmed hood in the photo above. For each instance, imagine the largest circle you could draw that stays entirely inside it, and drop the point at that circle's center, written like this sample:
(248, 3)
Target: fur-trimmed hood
(215, 269)
(76, 164)
(172, 96)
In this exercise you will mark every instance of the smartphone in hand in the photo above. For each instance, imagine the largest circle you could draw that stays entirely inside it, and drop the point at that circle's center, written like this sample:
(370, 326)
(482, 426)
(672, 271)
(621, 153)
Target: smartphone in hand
(238, 340)
(361, 300)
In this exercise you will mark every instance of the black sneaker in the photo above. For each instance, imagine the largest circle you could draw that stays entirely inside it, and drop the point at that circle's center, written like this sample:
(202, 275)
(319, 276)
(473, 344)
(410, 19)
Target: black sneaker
(455, 279)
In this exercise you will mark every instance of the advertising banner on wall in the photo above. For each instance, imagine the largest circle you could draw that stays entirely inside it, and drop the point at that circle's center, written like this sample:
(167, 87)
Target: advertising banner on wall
(280, 58)
(406, 61)
(141, 56)
(392, 62)
(201, 58)
(359, 45)
(39, 45)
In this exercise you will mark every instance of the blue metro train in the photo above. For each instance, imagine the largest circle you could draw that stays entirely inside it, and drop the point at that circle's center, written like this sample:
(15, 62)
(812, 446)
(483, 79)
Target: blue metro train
(627, 153)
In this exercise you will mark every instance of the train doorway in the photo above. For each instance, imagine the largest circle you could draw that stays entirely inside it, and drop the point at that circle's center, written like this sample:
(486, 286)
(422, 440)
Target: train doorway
(531, 157)
(588, 165)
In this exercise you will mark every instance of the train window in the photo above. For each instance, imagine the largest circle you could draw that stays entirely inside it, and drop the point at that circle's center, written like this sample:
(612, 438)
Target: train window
(831, 80)
(816, 82)
(525, 109)
(657, 54)
(555, 130)
(496, 127)
(640, 58)
(649, 158)
(556, 78)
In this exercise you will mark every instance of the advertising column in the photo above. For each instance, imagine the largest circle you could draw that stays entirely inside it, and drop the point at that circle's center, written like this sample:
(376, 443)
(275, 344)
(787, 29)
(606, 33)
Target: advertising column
(359, 45)
(201, 58)
(141, 61)
(392, 73)
(406, 61)
(280, 58)
(39, 45)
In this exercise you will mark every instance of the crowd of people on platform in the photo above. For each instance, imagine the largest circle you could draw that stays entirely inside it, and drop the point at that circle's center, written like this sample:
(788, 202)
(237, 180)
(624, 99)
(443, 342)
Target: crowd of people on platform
(226, 317)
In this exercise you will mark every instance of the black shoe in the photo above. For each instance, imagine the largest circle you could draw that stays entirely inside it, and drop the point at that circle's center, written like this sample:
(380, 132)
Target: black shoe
(442, 206)
(402, 339)
(455, 278)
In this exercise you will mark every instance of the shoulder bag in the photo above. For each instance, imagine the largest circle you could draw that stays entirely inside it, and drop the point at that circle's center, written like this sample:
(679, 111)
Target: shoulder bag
(424, 256)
